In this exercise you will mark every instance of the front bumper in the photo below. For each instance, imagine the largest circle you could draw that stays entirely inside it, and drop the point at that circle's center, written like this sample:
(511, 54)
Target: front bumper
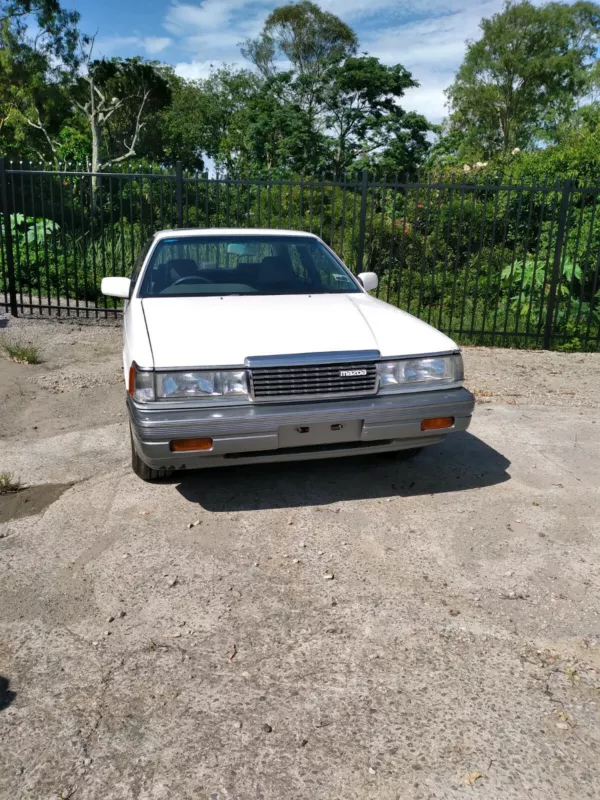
(261, 433)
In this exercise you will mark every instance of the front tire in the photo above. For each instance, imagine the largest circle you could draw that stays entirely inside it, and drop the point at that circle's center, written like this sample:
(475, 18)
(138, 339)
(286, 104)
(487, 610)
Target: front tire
(141, 469)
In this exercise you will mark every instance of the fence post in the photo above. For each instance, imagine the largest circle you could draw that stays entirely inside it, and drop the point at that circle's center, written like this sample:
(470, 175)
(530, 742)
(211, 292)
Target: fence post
(558, 253)
(179, 193)
(8, 240)
(362, 224)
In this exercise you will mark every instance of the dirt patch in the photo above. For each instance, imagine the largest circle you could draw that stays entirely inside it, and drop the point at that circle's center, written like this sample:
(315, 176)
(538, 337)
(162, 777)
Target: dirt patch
(343, 629)
(30, 500)
(80, 364)
(533, 377)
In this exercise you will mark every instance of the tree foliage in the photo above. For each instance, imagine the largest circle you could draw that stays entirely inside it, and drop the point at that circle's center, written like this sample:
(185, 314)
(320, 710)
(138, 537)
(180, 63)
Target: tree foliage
(327, 110)
(337, 109)
(361, 109)
(524, 76)
(38, 42)
(309, 38)
(118, 98)
(309, 101)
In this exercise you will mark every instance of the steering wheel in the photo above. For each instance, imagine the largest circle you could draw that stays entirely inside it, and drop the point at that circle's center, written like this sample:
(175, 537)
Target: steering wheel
(191, 279)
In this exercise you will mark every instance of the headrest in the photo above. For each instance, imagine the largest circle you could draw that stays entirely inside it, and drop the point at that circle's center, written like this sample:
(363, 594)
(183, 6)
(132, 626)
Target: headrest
(275, 270)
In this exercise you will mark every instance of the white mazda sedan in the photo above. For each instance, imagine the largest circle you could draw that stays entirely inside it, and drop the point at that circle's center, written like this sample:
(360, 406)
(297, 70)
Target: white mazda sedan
(249, 346)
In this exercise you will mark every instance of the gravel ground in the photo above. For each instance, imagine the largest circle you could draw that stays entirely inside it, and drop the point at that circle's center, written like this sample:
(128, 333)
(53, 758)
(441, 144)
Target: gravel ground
(533, 377)
(181, 640)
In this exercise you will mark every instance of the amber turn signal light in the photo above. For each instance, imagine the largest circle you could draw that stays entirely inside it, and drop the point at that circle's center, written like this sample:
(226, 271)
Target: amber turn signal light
(187, 445)
(436, 423)
(131, 385)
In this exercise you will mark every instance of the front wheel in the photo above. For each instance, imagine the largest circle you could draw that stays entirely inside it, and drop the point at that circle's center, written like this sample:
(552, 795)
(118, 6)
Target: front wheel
(141, 469)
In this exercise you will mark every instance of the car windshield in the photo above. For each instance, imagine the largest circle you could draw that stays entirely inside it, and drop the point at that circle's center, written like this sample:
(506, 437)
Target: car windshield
(237, 265)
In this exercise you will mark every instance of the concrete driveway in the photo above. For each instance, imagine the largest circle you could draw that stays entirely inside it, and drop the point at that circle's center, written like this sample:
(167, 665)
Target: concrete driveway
(180, 639)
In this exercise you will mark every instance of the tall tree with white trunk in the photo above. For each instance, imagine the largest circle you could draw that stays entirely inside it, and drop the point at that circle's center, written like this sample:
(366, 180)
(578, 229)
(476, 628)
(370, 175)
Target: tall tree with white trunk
(117, 97)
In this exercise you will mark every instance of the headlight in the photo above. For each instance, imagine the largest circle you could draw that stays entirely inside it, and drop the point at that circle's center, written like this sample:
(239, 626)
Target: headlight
(396, 375)
(206, 384)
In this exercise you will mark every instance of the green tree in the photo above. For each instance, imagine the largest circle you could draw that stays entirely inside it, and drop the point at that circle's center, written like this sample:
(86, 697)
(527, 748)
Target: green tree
(280, 133)
(524, 76)
(181, 123)
(245, 123)
(331, 108)
(408, 145)
(362, 112)
(117, 97)
(55, 28)
(311, 40)
(35, 60)
(220, 115)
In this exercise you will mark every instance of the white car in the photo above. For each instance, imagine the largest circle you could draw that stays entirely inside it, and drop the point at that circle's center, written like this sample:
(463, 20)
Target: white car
(248, 346)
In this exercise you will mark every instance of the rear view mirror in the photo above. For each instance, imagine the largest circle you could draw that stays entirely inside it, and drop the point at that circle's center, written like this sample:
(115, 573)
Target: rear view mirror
(369, 280)
(116, 287)
(242, 249)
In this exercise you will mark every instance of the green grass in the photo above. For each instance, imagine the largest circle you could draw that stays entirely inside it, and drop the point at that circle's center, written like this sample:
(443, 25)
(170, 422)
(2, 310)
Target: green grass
(22, 353)
(8, 483)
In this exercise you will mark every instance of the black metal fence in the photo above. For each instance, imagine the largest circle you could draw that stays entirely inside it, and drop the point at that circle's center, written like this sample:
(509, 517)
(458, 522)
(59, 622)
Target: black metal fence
(503, 263)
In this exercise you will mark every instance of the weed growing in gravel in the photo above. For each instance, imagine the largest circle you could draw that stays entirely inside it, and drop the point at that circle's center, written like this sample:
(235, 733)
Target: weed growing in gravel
(21, 353)
(8, 483)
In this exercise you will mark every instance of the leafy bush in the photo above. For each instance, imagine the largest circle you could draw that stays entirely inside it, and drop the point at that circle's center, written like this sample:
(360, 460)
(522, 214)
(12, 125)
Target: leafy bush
(527, 292)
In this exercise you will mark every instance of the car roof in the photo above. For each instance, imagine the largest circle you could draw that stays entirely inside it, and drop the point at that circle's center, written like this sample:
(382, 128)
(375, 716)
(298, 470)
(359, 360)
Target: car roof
(184, 232)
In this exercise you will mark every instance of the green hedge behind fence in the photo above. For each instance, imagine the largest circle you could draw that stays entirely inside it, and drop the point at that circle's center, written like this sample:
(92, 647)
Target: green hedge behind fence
(492, 263)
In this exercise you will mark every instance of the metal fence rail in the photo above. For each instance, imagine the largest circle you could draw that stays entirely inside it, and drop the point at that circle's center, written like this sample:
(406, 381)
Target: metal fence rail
(488, 263)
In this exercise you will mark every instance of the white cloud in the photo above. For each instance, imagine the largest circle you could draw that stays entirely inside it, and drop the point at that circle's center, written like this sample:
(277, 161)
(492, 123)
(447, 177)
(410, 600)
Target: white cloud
(428, 99)
(210, 15)
(359, 9)
(194, 70)
(114, 44)
(117, 45)
(211, 31)
(432, 49)
(216, 23)
(197, 70)
(156, 44)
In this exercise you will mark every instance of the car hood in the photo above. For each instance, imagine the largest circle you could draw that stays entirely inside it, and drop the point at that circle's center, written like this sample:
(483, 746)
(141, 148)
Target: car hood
(224, 331)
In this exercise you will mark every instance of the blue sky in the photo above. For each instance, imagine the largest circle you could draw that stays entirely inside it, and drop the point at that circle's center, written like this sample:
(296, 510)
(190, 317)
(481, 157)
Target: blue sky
(428, 37)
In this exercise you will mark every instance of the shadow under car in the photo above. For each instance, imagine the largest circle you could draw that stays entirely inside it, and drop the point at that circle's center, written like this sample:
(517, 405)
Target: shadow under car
(6, 694)
(460, 463)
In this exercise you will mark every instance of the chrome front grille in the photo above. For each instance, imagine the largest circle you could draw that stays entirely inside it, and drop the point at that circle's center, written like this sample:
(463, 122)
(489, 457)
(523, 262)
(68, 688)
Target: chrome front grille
(314, 380)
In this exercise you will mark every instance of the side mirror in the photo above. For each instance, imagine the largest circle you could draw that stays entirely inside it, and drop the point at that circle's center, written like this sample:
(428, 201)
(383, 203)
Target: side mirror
(369, 280)
(116, 287)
